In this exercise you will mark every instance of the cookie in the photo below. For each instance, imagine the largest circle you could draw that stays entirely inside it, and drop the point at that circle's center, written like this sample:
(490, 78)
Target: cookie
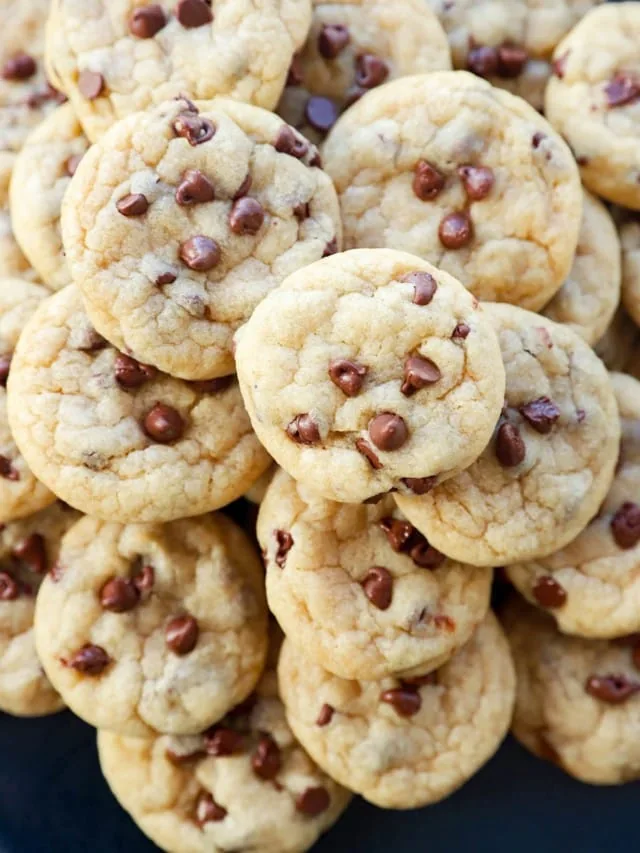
(588, 299)
(256, 493)
(509, 42)
(550, 462)
(359, 589)
(462, 174)
(577, 701)
(179, 222)
(120, 58)
(352, 47)
(615, 347)
(369, 371)
(41, 174)
(591, 100)
(630, 240)
(116, 438)
(21, 494)
(148, 629)
(28, 549)
(12, 261)
(592, 585)
(404, 744)
(245, 784)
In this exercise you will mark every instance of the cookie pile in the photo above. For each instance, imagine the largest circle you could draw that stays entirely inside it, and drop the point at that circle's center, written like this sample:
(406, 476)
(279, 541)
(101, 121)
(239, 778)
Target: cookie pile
(274, 271)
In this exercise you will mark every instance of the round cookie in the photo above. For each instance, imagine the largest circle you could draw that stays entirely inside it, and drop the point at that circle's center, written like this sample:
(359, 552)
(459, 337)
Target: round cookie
(116, 438)
(41, 174)
(591, 100)
(243, 785)
(615, 347)
(592, 585)
(120, 58)
(509, 42)
(28, 549)
(359, 589)
(550, 463)
(404, 744)
(21, 494)
(369, 371)
(630, 240)
(588, 299)
(179, 222)
(577, 701)
(352, 47)
(153, 629)
(462, 174)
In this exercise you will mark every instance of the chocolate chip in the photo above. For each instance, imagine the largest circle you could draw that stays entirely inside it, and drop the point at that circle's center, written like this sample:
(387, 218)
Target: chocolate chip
(625, 525)
(378, 587)
(145, 22)
(347, 375)
(321, 113)
(193, 13)
(388, 431)
(406, 701)
(331, 248)
(477, 181)
(332, 40)
(32, 551)
(303, 430)
(295, 74)
(246, 216)
(425, 555)
(398, 533)
(613, 689)
(119, 595)
(537, 138)
(144, 578)
(424, 286)
(89, 660)
(71, 164)
(181, 634)
(165, 278)
(200, 253)
(420, 485)
(7, 471)
(244, 187)
(461, 331)
(220, 741)
(19, 67)
(5, 365)
(548, 592)
(510, 448)
(541, 414)
(371, 71)
(285, 543)
(134, 204)
(559, 65)
(363, 448)
(9, 589)
(301, 211)
(427, 181)
(326, 715)
(163, 424)
(623, 89)
(208, 811)
(288, 142)
(266, 760)
(313, 801)
(511, 60)
(92, 341)
(90, 84)
(419, 372)
(131, 373)
(455, 230)
(194, 128)
(483, 61)
(315, 159)
(195, 188)
(212, 386)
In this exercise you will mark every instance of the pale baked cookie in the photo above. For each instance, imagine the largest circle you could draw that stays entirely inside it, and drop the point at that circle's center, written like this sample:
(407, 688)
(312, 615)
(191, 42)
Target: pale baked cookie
(464, 175)
(509, 42)
(41, 174)
(147, 629)
(577, 701)
(616, 346)
(359, 589)
(404, 744)
(551, 460)
(592, 585)
(592, 100)
(245, 784)
(124, 56)
(20, 492)
(369, 371)
(588, 299)
(28, 549)
(354, 46)
(630, 240)
(12, 261)
(116, 438)
(179, 222)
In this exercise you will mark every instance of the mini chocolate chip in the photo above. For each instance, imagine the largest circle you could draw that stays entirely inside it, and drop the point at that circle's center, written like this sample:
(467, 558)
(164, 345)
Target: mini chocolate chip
(371, 71)
(461, 331)
(347, 375)
(331, 248)
(301, 211)
(537, 138)
(510, 448)
(613, 689)
(424, 286)
(244, 187)
(200, 253)
(194, 128)
(220, 741)
(511, 60)
(7, 471)
(163, 424)
(195, 188)
(165, 278)
(295, 75)
(5, 365)
(425, 555)
(303, 430)
(477, 181)
(266, 760)
(131, 373)
(90, 84)
(119, 595)
(321, 113)
(285, 543)
(208, 811)
(483, 61)
(32, 551)
(378, 587)
(548, 592)
(388, 431)
(193, 13)
(420, 485)
(144, 579)
(181, 634)
(89, 660)
(71, 164)
(623, 89)
(19, 67)
(406, 701)
(212, 386)
(427, 181)
(582, 161)
(134, 204)
(368, 453)
(146, 21)
(288, 142)
(332, 40)
(455, 230)
(541, 414)
(313, 801)
(625, 525)
(246, 216)
(398, 532)
(9, 589)
(326, 715)
(419, 372)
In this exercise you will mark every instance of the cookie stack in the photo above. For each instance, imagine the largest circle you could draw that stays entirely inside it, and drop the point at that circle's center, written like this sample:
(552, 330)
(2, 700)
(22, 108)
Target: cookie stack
(237, 268)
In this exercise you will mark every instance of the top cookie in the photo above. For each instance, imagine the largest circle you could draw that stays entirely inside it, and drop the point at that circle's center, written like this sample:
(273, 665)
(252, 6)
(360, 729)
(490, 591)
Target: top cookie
(464, 175)
(179, 222)
(120, 57)
(369, 371)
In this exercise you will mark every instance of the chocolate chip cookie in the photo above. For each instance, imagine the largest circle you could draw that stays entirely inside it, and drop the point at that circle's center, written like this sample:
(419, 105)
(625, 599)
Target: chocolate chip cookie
(12, 261)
